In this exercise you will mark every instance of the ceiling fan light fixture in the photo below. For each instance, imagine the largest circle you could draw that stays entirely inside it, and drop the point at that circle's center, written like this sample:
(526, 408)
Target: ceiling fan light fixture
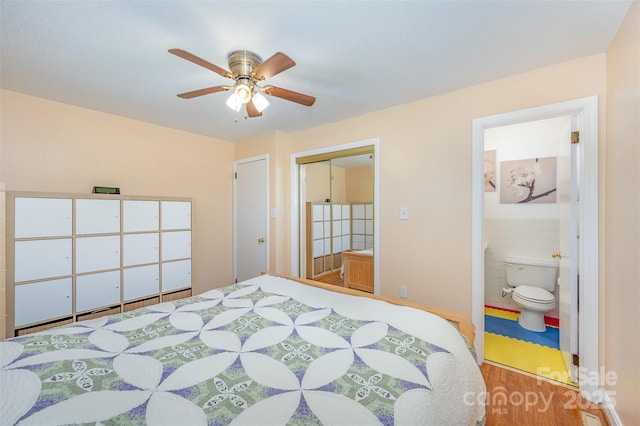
(247, 69)
(243, 91)
(260, 102)
(234, 102)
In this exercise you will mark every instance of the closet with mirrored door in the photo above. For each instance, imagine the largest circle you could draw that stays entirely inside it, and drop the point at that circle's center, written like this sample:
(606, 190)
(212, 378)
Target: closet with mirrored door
(336, 218)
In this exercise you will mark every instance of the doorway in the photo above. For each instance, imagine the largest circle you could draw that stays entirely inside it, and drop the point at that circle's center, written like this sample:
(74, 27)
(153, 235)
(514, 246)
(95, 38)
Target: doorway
(251, 217)
(529, 216)
(336, 198)
(585, 110)
(325, 220)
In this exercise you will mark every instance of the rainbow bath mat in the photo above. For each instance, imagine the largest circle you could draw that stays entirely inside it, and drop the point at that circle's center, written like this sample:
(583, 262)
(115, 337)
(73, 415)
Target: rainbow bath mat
(507, 343)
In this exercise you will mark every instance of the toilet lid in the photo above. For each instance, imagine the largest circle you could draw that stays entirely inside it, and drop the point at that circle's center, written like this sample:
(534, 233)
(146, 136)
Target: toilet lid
(534, 294)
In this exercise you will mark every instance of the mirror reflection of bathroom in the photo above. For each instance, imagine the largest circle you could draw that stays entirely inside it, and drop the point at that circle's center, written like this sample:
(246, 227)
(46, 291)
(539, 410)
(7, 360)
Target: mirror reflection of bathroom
(336, 235)
(528, 226)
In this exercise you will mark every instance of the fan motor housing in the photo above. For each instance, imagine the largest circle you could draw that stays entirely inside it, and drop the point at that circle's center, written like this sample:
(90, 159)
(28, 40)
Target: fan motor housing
(243, 62)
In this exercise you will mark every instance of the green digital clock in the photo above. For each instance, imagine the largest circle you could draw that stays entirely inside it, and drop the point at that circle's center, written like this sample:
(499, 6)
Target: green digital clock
(105, 190)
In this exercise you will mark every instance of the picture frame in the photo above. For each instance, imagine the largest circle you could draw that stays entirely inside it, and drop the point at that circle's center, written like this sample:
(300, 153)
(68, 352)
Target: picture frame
(528, 181)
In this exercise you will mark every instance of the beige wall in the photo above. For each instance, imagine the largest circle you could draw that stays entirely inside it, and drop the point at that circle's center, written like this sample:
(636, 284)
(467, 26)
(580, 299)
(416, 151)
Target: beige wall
(425, 165)
(320, 187)
(622, 237)
(53, 147)
(359, 184)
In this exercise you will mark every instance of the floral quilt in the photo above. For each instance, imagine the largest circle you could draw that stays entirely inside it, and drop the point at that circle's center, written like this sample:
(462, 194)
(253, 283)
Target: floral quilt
(266, 351)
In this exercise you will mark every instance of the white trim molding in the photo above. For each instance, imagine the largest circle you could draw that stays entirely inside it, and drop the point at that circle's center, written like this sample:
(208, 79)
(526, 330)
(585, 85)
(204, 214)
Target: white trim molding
(587, 111)
(609, 410)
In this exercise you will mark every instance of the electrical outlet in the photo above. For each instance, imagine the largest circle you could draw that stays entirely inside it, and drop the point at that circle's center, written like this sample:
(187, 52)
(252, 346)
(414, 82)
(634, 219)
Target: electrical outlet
(403, 291)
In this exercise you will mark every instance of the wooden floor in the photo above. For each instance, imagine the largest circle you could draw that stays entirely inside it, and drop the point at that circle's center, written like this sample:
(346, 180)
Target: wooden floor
(331, 278)
(521, 399)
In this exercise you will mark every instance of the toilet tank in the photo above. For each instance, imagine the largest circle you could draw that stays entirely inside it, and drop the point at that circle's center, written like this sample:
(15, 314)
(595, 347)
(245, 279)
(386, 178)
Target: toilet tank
(531, 272)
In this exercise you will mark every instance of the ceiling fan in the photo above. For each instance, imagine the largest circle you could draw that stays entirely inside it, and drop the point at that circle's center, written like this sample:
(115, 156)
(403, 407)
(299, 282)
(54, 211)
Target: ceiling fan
(247, 70)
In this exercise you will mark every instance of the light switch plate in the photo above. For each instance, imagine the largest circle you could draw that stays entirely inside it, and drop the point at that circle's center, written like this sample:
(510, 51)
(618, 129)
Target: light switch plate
(404, 213)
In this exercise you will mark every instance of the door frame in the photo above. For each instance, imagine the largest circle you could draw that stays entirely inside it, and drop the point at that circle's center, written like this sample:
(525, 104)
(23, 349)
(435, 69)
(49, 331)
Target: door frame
(587, 111)
(295, 203)
(237, 163)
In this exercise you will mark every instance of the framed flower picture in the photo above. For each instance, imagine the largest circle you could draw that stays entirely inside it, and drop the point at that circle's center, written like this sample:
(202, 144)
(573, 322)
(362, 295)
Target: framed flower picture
(528, 181)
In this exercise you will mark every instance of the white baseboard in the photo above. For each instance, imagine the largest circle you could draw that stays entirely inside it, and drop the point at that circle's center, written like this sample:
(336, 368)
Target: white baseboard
(610, 412)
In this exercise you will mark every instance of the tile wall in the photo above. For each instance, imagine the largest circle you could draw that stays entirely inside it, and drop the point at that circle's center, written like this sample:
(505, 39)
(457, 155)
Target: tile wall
(523, 237)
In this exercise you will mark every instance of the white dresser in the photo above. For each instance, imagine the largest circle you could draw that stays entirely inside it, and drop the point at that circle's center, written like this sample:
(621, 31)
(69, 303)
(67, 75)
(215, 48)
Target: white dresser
(72, 257)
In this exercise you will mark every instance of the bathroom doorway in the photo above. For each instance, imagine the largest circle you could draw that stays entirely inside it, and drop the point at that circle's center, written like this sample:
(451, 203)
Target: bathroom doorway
(585, 111)
(530, 194)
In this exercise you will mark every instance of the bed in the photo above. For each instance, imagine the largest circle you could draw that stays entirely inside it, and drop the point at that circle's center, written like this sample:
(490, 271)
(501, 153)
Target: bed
(357, 270)
(270, 350)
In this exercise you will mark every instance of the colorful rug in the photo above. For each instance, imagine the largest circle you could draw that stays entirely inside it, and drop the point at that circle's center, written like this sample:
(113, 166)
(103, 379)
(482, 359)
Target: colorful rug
(507, 343)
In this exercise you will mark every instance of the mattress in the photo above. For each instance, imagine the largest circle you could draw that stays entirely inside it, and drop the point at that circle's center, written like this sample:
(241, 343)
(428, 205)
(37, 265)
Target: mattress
(265, 351)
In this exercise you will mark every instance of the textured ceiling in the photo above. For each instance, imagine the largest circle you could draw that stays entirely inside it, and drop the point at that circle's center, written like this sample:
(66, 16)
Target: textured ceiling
(353, 56)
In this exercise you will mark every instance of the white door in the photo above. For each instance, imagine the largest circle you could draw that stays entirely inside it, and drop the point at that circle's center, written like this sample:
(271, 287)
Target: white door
(568, 244)
(251, 216)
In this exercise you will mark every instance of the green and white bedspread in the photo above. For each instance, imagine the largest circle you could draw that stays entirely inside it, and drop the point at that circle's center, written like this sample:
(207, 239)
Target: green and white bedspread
(267, 351)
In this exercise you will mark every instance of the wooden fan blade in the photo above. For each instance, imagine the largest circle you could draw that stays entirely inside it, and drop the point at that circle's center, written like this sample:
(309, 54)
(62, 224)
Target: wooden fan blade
(252, 111)
(199, 61)
(274, 65)
(200, 92)
(290, 95)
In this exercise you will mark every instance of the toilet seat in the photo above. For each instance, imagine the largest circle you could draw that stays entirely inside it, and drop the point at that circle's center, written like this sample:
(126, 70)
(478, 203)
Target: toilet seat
(536, 295)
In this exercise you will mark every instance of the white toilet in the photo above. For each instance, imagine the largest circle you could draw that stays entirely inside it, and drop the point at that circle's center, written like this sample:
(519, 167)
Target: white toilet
(534, 281)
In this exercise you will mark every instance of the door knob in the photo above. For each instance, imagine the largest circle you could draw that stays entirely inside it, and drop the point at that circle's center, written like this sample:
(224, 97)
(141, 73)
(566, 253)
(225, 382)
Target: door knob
(557, 255)
(261, 240)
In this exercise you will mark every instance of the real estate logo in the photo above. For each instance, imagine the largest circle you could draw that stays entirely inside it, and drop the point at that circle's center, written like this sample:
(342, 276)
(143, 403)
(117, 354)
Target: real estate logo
(500, 400)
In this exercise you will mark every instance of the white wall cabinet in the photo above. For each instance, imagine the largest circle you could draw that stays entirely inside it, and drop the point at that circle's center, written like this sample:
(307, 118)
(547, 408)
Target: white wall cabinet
(139, 249)
(140, 215)
(42, 217)
(141, 281)
(73, 256)
(43, 300)
(97, 290)
(176, 275)
(37, 259)
(176, 215)
(176, 245)
(97, 216)
(97, 253)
